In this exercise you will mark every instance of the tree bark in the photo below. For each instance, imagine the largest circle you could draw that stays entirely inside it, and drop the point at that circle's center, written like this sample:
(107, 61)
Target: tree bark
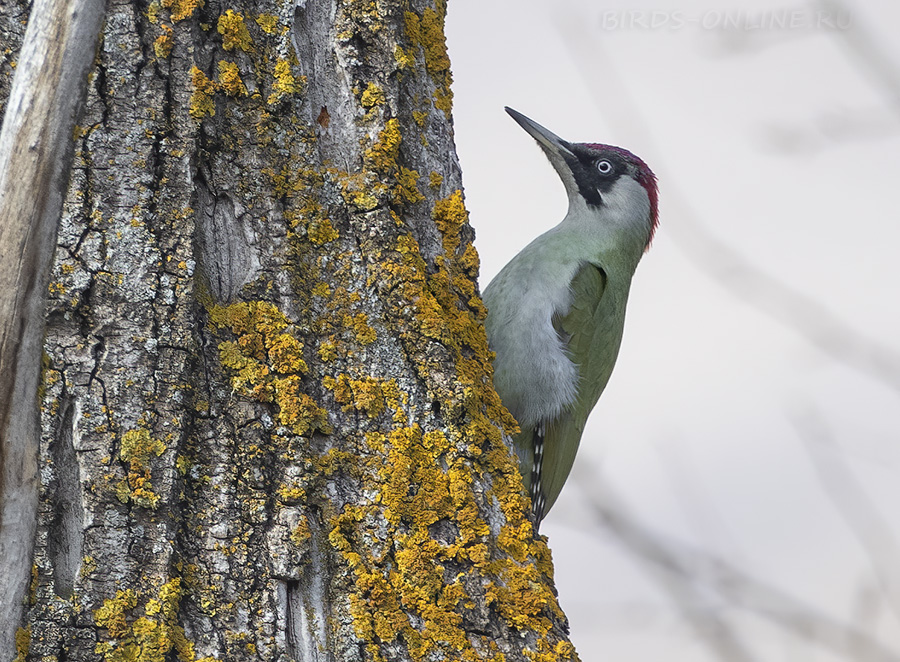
(269, 429)
(45, 99)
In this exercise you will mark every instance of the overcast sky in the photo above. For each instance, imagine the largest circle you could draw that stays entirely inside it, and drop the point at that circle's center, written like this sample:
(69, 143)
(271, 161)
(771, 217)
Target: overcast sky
(776, 141)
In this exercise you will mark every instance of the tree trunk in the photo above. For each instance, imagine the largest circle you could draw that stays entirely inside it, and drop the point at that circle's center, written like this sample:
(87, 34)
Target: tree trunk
(269, 430)
(44, 101)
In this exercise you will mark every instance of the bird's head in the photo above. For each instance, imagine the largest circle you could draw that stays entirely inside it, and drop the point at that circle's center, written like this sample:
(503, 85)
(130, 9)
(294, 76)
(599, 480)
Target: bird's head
(600, 175)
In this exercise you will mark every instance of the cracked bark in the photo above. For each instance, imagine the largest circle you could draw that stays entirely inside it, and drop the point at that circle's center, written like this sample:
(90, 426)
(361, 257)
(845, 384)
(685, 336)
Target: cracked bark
(268, 426)
(42, 104)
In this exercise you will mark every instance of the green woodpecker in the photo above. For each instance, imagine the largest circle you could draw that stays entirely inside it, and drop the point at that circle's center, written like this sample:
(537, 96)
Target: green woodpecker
(556, 311)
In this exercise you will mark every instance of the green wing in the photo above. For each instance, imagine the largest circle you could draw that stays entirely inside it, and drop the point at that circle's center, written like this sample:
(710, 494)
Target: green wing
(594, 335)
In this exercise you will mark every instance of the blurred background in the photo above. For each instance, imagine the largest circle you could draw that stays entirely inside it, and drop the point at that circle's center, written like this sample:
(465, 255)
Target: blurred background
(737, 495)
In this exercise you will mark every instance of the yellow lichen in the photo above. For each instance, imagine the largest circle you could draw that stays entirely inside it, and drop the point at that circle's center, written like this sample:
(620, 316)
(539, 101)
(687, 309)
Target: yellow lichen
(291, 494)
(321, 231)
(407, 190)
(421, 32)
(449, 215)
(183, 464)
(404, 59)
(182, 9)
(563, 650)
(266, 362)
(137, 449)
(23, 643)
(268, 23)
(443, 100)
(383, 155)
(435, 179)
(153, 11)
(301, 533)
(427, 31)
(296, 409)
(372, 96)
(153, 637)
(290, 181)
(164, 43)
(364, 333)
(366, 395)
(234, 31)
(418, 583)
(396, 400)
(284, 82)
(382, 158)
(327, 351)
(469, 261)
(357, 192)
(111, 615)
(230, 79)
(202, 103)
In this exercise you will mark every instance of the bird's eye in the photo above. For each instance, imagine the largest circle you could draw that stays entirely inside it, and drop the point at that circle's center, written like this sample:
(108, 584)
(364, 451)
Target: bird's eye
(604, 166)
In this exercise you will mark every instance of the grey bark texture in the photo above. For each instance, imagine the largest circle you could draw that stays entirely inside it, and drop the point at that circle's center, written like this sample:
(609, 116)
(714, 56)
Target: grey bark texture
(44, 100)
(269, 429)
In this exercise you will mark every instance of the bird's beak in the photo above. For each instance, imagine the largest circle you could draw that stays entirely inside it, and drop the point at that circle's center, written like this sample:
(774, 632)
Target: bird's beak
(554, 147)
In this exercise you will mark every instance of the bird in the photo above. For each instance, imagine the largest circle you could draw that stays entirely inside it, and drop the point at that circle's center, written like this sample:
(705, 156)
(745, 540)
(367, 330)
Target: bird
(556, 311)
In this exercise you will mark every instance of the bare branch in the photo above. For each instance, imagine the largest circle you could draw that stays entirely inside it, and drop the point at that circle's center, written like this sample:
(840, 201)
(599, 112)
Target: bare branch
(689, 572)
(861, 44)
(676, 576)
(850, 500)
